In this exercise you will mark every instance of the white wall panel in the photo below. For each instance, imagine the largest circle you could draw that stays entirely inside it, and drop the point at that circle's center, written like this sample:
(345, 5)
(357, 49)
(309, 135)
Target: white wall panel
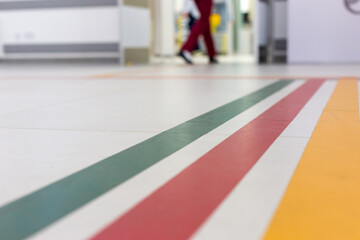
(263, 23)
(280, 19)
(136, 27)
(323, 31)
(1, 41)
(85, 25)
(63, 28)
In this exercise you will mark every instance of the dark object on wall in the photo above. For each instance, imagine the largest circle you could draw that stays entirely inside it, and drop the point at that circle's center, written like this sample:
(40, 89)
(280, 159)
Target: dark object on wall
(246, 18)
(353, 6)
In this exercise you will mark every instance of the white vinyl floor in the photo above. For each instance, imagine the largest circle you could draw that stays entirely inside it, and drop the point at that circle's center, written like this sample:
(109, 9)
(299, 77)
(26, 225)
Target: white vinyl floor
(57, 120)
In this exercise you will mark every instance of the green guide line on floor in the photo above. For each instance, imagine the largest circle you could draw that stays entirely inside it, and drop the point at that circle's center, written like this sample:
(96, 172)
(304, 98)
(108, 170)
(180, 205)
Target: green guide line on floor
(30, 214)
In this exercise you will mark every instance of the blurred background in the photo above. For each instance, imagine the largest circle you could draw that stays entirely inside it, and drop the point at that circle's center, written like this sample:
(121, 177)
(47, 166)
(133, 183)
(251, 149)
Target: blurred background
(129, 32)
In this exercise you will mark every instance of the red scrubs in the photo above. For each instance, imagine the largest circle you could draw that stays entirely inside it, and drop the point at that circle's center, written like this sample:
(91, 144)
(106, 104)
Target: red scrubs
(202, 27)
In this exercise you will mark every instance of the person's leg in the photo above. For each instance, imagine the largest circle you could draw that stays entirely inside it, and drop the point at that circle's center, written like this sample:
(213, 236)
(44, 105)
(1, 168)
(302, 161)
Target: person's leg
(209, 42)
(196, 31)
(200, 26)
(192, 22)
(206, 6)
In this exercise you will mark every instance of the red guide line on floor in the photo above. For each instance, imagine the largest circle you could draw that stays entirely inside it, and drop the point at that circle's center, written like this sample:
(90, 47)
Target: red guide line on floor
(180, 207)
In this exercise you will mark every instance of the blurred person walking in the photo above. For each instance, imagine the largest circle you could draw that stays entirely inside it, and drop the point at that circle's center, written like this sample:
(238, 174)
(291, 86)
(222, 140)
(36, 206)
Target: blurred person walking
(202, 27)
(192, 13)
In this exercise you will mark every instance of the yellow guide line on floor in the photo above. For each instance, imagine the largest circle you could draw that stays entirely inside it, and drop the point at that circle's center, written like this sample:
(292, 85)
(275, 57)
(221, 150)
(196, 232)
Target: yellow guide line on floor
(323, 198)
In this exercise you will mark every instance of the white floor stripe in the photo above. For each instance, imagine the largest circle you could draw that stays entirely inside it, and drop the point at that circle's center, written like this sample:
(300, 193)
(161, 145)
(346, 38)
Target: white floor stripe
(247, 211)
(91, 218)
(304, 124)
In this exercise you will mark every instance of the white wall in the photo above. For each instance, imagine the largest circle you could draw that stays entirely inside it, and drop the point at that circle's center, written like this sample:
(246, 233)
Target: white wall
(79, 25)
(1, 41)
(80, 31)
(136, 27)
(322, 31)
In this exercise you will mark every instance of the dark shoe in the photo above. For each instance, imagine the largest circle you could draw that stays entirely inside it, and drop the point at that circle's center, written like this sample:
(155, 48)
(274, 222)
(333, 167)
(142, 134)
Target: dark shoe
(186, 56)
(213, 61)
